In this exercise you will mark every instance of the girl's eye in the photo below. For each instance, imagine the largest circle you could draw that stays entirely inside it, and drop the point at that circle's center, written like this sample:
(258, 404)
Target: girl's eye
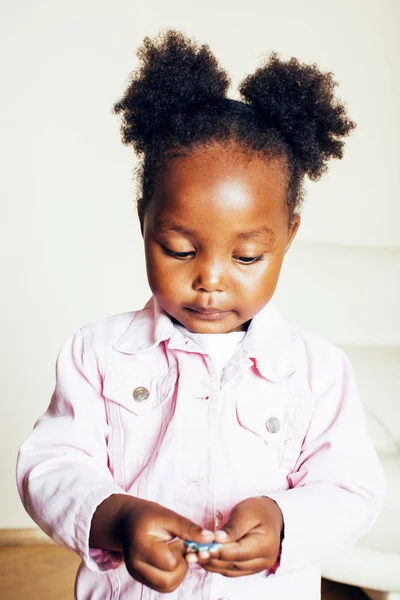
(249, 260)
(179, 255)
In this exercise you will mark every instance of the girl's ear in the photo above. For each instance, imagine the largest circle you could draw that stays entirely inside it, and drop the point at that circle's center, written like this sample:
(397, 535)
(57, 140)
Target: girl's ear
(293, 228)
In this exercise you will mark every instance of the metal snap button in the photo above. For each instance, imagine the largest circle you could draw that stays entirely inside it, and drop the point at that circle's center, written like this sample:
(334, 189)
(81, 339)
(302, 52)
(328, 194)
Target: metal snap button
(273, 424)
(140, 394)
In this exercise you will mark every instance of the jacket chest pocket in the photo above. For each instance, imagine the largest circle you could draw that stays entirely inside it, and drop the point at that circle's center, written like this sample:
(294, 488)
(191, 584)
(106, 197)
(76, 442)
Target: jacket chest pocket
(136, 408)
(139, 394)
(275, 415)
(266, 413)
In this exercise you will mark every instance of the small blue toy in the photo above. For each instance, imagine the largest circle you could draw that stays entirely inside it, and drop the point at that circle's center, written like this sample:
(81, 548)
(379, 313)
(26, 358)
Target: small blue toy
(198, 547)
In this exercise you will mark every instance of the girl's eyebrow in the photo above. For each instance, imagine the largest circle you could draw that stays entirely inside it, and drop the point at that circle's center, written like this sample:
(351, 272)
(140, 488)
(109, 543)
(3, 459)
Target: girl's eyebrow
(261, 232)
(165, 225)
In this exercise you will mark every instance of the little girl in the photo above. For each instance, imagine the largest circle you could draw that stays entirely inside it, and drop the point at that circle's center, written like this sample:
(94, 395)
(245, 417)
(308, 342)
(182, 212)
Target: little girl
(204, 416)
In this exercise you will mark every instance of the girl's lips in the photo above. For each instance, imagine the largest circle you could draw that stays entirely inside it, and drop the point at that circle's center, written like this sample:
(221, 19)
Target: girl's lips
(207, 314)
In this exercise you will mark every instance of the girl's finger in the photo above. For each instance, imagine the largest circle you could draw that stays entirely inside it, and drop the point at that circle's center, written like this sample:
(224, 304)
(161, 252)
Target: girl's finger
(187, 530)
(192, 558)
(250, 515)
(236, 569)
(157, 579)
(240, 522)
(251, 546)
(160, 555)
(201, 558)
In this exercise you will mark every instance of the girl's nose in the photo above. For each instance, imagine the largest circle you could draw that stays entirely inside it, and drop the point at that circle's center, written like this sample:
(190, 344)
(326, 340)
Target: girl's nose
(210, 277)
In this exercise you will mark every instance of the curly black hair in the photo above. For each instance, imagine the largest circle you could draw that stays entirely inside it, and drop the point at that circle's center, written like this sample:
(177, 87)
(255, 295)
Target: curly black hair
(176, 100)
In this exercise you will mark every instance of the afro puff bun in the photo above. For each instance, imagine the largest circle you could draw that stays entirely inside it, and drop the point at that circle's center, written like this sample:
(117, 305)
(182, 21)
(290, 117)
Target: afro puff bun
(176, 76)
(298, 100)
(177, 99)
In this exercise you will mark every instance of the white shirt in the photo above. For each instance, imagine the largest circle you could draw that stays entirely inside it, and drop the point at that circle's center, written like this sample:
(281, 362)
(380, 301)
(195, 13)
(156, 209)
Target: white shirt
(219, 346)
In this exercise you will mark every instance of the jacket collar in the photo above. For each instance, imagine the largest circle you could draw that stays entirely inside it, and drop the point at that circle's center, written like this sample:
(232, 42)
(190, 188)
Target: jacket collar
(149, 327)
(268, 342)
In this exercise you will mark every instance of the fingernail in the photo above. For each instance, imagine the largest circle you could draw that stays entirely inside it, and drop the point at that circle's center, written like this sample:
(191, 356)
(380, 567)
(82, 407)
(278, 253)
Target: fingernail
(207, 533)
(221, 535)
(204, 555)
(191, 558)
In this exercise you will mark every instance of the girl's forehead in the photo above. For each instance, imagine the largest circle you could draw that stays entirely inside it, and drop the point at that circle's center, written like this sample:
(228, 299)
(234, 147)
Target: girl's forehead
(220, 180)
(220, 186)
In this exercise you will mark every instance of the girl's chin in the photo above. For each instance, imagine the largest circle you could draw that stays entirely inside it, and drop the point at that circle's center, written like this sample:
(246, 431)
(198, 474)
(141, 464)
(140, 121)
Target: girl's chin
(198, 322)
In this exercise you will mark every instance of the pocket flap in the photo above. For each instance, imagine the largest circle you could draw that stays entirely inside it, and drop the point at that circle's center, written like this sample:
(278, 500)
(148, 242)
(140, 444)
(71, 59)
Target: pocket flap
(263, 417)
(139, 394)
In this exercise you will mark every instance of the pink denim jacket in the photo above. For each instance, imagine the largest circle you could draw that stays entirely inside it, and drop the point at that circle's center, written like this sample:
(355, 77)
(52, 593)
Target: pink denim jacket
(139, 409)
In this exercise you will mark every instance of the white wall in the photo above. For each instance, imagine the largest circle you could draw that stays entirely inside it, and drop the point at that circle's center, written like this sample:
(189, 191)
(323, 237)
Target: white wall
(70, 244)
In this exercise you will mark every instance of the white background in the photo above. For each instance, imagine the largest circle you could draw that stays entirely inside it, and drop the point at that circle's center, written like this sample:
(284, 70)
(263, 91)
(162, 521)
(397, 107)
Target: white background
(70, 243)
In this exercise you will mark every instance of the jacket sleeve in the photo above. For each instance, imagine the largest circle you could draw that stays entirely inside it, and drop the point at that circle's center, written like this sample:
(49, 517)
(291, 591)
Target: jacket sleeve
(337, 486)
(62, 471)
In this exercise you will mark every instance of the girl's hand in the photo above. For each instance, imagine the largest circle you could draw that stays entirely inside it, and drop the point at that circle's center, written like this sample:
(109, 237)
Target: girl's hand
(151, 538)
(251, 540)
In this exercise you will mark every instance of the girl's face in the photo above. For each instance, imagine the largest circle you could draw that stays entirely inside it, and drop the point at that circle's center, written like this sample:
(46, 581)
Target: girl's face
(216, 230)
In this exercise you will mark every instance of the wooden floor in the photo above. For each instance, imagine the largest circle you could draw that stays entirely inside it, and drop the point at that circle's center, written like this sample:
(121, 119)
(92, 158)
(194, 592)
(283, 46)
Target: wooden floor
(47, 573)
